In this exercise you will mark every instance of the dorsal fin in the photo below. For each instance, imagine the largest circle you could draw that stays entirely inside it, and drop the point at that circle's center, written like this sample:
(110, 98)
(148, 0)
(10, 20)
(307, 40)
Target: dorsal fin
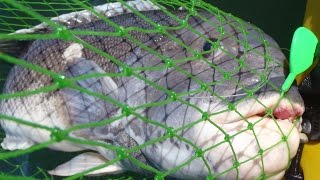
(85, 16)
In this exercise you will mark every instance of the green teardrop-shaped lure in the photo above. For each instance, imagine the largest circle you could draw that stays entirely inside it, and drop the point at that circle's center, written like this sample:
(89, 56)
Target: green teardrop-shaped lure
(302, 51)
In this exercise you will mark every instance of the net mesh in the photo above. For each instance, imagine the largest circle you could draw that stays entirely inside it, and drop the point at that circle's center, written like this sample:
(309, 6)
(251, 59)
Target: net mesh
(36, 160)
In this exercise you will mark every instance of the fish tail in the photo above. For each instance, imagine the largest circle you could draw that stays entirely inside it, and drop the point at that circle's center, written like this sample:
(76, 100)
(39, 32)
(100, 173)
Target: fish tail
(15, 48)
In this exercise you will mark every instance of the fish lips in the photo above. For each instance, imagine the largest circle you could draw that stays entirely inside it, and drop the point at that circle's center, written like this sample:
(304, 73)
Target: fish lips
(266, 102)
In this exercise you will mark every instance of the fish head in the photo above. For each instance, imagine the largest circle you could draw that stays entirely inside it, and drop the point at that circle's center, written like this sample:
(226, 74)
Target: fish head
(227, 103)
(257, 127)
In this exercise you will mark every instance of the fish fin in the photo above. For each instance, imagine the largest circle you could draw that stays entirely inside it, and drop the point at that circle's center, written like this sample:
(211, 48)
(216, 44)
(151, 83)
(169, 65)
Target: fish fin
(76, 18)
(14, 143)
(15, 48)
(102, 84)
(82, 107)
(85, 162)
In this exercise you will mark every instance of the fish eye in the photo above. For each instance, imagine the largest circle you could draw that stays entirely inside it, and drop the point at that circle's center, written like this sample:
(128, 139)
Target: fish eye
(208, 45)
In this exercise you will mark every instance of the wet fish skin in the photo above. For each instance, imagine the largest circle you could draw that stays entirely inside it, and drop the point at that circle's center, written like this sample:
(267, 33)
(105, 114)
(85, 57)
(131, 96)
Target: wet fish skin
(65, 107)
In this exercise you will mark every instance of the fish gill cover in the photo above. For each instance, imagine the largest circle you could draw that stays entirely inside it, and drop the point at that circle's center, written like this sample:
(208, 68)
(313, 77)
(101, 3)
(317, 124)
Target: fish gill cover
(183, 90)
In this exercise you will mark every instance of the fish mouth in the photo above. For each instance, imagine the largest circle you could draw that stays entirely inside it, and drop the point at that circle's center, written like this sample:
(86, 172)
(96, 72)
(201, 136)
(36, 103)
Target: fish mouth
(279, 110)
(267, 105)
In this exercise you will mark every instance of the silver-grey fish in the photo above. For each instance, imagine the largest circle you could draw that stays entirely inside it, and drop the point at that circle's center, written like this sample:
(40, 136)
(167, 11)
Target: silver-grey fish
(202, 97)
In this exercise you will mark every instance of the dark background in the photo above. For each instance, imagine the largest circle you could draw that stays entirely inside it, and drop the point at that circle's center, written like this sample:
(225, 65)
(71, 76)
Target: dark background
(277, 18)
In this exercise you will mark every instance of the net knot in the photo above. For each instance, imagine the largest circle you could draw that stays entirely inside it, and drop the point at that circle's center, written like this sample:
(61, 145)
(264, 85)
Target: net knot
(127, 71)
(205, 116)
(236, 164)
(215, 45)
(126, 110)
(199, 152)
(226, 75)
(183, 23)
(284, 138)
(269, 111)
(197, 54)
(58, 135)
(263, 78)
(168, 62)
(64, 33)
(210, 177)
(159, 177)
(260, 152)
(122, 153)
(231, 107)
(173, 96)
(221, 30)
(241, 62)
(249, 93)
(250, 126)
(122, 31)
(193, 11)
(170, 132)
(160, 29)
(62, 81)
(227, 137)
(204, 86)
(262, 176)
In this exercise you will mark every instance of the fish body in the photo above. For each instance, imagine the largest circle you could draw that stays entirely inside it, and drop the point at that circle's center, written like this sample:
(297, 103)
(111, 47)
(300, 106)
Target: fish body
(198, 93)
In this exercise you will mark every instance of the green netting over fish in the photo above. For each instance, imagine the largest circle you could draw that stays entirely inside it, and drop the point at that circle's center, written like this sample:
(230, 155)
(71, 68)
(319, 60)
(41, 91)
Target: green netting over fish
(141, 89)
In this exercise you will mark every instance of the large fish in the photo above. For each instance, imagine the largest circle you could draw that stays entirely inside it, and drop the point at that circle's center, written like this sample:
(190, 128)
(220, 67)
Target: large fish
(212, 107)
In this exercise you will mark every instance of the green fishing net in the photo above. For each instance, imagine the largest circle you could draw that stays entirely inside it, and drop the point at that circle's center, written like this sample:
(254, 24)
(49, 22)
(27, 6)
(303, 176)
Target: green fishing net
(34, 162)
